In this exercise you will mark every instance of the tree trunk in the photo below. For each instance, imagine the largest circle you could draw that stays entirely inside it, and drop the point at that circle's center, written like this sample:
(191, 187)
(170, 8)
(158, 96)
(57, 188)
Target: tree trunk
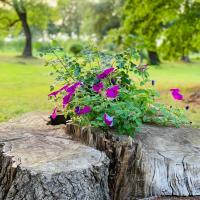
(27, 52)
(185, 59)
(40, 162)
(153, 58)
(159, 162)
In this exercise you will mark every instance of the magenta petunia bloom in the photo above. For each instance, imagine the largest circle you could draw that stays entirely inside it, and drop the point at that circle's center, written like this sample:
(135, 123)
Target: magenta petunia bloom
(64, 88)
(112, 92)
(176, 94)
(54, 113)
(67, 99)
(108, 120)
(72, 88)
(105, 73)
(54, 93)
(98, 87)
(175, 90)
(58, 91)
(83, 111)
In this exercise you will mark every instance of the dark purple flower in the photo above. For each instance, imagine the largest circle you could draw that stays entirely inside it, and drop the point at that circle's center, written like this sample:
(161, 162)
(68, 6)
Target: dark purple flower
(97, 87)
(105, 73)
(113, 81)
(83, 111)
(54, 113)
(72, 88)
(176, 94)
(153, 82)
(112, 92)
(58, 91)
(67, 99)
(77, 109)
(108, 120)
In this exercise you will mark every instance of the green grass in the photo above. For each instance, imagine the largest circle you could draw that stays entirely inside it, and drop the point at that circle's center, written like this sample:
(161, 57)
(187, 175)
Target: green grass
(24, 85)
(178, 75)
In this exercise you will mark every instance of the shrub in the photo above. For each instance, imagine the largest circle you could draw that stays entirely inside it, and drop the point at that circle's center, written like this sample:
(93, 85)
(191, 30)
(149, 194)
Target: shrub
(108, 91)
(76, 48)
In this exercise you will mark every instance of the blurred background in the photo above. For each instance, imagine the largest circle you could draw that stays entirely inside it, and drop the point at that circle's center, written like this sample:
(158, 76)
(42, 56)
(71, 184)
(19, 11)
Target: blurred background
(165, 32)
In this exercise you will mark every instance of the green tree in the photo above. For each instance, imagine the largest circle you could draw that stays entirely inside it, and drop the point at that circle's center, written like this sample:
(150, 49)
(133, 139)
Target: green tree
(70, 15)
(144, 21)
(101, 16)
(183, 34)
(29, 13)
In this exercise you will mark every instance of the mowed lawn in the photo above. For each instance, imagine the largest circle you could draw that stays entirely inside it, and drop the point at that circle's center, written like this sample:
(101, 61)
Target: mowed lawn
(186, 77)
(24, 85)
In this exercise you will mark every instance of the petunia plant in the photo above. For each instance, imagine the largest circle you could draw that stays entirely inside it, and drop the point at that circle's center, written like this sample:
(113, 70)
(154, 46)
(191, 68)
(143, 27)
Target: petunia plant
(108, 91)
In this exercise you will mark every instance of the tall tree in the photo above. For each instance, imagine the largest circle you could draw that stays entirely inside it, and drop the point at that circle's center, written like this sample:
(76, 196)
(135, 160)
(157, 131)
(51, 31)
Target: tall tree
(144, 21)
(105, 16)
(70, 14)
(22, 8)
(183, 34)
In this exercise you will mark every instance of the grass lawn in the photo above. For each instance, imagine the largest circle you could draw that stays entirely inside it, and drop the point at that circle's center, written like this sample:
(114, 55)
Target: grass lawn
(186, 77)
(24, 85)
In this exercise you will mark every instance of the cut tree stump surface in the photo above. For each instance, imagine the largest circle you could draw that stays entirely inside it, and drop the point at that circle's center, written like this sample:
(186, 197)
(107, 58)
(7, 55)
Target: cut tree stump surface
(160, 162)
(40, 162)
(167, 162)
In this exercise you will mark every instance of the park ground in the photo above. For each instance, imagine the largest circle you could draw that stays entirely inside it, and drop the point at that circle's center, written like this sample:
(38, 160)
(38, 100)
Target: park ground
(24, 85)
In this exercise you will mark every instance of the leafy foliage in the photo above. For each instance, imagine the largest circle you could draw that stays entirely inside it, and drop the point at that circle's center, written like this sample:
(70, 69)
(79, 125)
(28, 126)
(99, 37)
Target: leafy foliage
(135, 103)
(186, 27)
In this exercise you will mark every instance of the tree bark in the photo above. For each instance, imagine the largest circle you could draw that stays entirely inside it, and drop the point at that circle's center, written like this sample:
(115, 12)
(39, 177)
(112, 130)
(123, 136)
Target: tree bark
(153, 58)
(160, 162)
(185, 59)
(22, 14)
(40, 162)
(27, 52)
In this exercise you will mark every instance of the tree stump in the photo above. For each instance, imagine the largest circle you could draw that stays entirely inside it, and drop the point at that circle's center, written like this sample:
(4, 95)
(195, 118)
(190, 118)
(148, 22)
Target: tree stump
(160, 162)
(40, 162)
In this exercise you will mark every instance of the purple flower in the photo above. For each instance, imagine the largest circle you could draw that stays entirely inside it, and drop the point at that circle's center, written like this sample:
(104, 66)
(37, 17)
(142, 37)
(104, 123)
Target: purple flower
(108, 120)
(175, 90)
(176, 94)
(57, 91)
(54, 113)
(105, 73)
(72, 88)
(83, 111)
(64, 88)
(54, 93)
(97, 87)
(113, 81)
(67, 99)
(112, 92)
(77, 109)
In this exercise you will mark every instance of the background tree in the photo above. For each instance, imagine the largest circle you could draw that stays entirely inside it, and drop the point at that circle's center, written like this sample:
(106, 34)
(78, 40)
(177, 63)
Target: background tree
(144, 21)
(29, 13)
(183, 34)
(101, 16)
(70, 16)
